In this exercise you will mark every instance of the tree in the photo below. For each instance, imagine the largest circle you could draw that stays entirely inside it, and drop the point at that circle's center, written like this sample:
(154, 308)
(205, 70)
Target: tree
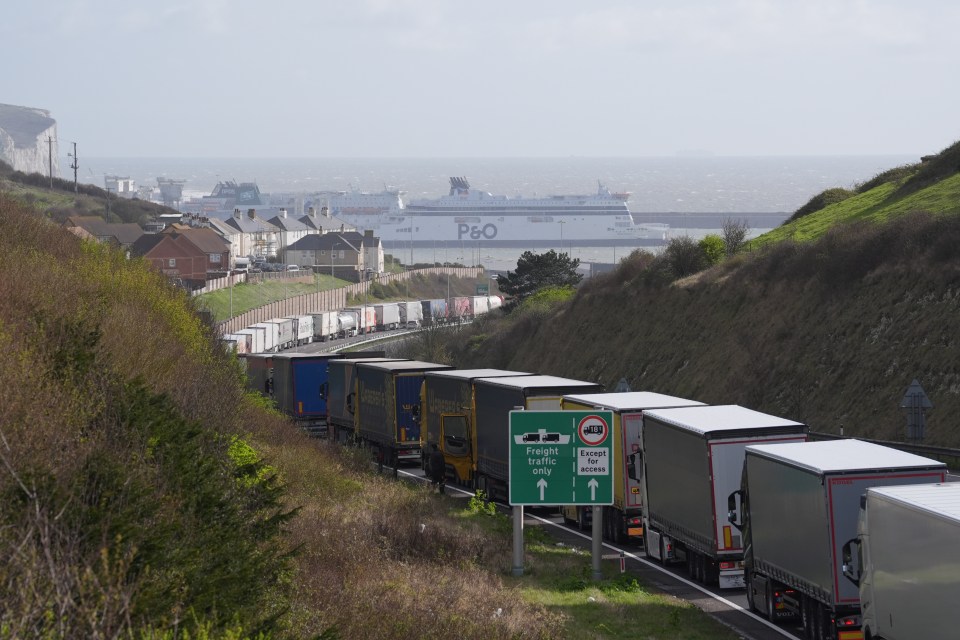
(538, 270)
(735, 234)
(713, 248)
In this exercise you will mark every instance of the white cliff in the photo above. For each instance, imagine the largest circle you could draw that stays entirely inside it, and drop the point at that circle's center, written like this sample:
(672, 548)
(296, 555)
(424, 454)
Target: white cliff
(24, 135)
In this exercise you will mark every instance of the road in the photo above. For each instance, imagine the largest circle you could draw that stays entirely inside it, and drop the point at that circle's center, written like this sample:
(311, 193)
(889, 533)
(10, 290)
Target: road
(730, 608)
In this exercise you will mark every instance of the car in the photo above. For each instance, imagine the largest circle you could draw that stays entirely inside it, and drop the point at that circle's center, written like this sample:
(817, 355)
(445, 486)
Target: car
(292, 267)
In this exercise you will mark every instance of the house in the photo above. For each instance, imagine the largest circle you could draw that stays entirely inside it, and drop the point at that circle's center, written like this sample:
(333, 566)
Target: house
(324, 222)
(120, 235)
(185, 253)
(289, 230)
(350, 255)
(251, 235)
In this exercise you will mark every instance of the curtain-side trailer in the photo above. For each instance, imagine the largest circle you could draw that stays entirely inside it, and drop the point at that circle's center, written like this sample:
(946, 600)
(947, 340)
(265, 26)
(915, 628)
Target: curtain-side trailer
(624, 519)
(387, 316)
(434, 311)
(906, 561)
(799, 504)
(495, 398)
(259, 368)
(448, 418)
(342, 394)
(692, 460)
(300, 383)
(411, 314)
(388, 408)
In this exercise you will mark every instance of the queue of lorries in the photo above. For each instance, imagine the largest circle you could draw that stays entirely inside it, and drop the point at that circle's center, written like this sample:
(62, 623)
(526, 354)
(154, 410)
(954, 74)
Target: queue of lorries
(277, 334)
(850, 538)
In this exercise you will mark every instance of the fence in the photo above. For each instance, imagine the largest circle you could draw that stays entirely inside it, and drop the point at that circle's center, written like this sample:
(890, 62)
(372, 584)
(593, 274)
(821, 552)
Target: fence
(333, 299)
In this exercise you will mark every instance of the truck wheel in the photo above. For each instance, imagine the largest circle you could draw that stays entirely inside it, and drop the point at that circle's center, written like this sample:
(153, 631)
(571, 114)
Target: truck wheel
(581, 519)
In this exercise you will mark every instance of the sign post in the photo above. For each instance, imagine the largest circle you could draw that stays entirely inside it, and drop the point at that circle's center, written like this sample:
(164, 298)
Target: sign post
(561, 458)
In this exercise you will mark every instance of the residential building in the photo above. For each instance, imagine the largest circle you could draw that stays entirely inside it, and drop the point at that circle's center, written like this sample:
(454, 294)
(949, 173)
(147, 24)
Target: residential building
(289, 230)
(350, 255)
(324, 222)
(120, 235)
(185, 253)
(252, 235)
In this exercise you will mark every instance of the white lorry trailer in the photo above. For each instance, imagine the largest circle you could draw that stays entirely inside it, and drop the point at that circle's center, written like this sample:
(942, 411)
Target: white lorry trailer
(387, 316)
(411, 314)
(692, 459)
(302, 329)
(798, 505)
(325, 325)
(906, 561)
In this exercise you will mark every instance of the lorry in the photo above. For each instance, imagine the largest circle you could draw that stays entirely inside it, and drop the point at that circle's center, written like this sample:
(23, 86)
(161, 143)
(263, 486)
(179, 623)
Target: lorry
(623, 520)
(797, 506)
(300, 388)
(388, 408)
(459, 309)
(342, 393)
(348, 323)
(434, 311)
(286, 334)
(255, 339)
(448, 416)
(691, 460)
(411, 314)
(906, 562)
(479, 305)
(325, 325)
(259, 368)
(271, 335)
(366, 318)
(239, 343)
(495, 398)
(387, 316)
(302, 329)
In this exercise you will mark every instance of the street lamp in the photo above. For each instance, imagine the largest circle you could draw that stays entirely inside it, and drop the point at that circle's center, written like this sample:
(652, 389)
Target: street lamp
(561, 223)
(335, 245)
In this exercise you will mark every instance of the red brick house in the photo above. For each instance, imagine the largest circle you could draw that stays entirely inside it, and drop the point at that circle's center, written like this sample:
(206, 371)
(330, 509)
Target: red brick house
(187, 253)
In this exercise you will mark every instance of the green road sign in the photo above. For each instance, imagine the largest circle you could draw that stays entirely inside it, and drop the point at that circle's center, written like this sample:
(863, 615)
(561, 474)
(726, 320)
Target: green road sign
(561, 457)
(483, 289)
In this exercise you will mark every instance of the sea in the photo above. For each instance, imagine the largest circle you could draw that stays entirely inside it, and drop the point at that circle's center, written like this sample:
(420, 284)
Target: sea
(662, 188)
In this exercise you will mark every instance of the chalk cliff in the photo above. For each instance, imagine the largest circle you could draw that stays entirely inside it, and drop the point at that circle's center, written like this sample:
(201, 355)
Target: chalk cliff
(24, 132)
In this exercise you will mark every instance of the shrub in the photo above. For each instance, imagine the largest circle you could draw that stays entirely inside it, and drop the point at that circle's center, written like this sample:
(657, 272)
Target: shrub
(820, 201)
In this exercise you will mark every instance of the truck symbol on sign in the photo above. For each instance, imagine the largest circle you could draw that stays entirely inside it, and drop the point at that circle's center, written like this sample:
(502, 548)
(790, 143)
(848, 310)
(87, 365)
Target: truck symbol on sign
(541, 436)
(594, 429)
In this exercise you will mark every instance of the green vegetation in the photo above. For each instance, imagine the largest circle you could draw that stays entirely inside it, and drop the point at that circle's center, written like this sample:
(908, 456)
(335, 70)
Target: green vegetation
(826, 320)
(538, 270)
(258, 292)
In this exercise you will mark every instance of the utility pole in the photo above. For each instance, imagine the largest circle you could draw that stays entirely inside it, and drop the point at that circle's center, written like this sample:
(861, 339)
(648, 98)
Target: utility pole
(50, 158)
(74, 165)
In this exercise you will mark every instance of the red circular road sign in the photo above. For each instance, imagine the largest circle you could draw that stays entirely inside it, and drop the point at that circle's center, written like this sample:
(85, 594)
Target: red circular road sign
(593, 430)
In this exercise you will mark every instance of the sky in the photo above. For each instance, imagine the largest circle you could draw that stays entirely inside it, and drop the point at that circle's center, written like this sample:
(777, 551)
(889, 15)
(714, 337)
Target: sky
(488, 78)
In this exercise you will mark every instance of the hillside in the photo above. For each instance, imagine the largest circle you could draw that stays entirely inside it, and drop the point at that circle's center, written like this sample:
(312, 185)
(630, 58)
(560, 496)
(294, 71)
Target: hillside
(830, 331)
(61, 201)
(144, 493)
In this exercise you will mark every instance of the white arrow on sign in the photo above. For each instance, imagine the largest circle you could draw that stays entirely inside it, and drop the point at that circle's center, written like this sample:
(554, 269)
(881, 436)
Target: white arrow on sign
(543, 485)
(593, 484)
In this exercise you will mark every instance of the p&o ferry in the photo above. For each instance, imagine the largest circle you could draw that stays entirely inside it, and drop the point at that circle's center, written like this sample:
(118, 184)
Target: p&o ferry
(467, 216)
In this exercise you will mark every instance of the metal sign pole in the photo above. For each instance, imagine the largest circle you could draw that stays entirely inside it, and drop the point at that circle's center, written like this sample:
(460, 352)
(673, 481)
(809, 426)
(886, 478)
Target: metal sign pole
(597, 542)
(518, 541)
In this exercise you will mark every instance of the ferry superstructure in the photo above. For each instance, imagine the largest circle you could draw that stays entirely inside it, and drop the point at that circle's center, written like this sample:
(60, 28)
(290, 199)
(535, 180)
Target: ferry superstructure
(469, 216)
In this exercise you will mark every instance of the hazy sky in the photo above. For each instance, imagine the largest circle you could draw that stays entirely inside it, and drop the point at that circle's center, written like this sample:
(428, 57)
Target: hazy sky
(451, 78)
